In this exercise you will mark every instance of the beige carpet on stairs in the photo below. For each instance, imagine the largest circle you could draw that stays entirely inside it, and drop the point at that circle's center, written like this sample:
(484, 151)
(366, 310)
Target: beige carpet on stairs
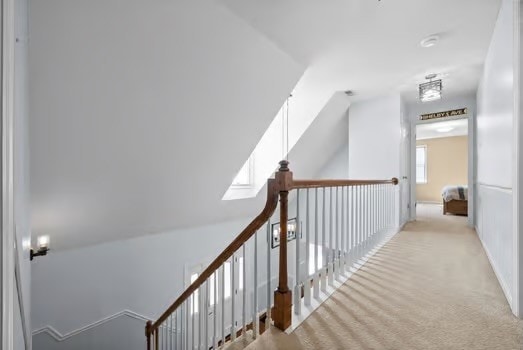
(430, 287)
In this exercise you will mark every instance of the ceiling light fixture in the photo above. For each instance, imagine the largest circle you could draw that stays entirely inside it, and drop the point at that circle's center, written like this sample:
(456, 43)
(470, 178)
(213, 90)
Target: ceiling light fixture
(429, 41)
(447, 129)
(431, 90)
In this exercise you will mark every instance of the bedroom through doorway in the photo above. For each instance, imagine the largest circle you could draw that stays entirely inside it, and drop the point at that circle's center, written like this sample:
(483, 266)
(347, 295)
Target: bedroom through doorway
(442, 166)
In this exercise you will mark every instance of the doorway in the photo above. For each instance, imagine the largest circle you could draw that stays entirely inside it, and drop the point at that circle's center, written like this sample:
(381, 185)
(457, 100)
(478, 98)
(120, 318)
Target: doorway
(442, 165)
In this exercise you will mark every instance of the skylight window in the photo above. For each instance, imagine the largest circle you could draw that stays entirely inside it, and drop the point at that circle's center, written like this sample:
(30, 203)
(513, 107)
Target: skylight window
(293, 118)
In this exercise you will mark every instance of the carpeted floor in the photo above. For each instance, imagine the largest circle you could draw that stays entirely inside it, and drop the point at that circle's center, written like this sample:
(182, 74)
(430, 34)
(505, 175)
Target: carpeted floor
(430, 287)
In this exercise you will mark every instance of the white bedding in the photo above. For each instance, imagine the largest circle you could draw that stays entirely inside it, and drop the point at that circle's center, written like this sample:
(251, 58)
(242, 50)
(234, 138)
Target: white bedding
(455, 192)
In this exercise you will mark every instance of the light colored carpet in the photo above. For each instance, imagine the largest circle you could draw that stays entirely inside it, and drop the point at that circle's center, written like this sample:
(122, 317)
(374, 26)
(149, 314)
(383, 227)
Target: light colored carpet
(430, 287)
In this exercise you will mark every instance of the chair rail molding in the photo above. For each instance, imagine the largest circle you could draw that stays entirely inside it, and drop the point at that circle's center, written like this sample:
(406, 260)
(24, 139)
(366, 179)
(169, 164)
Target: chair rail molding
(53, 332)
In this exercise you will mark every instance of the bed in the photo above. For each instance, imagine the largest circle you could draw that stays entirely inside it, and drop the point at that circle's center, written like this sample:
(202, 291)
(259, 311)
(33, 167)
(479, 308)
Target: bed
(455, 200)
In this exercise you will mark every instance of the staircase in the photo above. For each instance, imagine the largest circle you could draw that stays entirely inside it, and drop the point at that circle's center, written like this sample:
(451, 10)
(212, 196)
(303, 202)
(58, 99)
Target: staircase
(328, 224)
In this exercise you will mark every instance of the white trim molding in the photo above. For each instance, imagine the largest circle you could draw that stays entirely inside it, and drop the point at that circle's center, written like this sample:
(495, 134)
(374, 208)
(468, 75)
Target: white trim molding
(61, 337)
(7, 240)
(517, 193)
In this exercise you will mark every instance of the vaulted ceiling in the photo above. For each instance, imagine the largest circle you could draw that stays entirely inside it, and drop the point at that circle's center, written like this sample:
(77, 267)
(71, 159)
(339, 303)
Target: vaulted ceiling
(143, 112)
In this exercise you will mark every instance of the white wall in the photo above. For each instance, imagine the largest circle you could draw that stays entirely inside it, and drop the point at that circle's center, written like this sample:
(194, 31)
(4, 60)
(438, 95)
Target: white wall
(21, 179)
(518, 145)
(75, 288)
(494, 137)
(78, 287)
(374, 138)
(128, 114)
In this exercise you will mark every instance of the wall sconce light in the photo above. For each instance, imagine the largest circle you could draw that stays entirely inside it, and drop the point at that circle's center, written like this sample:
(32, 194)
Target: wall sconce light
(43, 247)
(291, 232)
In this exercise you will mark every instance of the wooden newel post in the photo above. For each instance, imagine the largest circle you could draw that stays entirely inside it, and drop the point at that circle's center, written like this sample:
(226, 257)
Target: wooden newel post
(148, 326)
(282, 311)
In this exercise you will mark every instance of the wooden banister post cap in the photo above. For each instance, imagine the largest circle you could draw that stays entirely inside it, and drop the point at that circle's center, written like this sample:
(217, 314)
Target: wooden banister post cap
(284, 165)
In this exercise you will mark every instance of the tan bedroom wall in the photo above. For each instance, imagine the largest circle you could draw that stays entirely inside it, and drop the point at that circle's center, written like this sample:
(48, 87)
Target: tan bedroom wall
(447, 164)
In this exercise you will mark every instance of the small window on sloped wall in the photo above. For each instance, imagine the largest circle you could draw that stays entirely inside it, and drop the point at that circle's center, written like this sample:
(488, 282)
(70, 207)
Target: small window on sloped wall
(245, 177)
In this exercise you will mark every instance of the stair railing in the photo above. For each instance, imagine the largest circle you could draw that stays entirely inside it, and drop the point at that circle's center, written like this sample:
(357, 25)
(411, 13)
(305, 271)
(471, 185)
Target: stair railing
(224, 301)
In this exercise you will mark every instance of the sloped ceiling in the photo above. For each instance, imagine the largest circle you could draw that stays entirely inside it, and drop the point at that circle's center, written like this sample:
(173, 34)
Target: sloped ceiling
(141, 113)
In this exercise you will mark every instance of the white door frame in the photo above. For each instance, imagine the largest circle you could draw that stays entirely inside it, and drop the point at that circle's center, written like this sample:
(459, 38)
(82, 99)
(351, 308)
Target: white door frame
(7, 241)
(517, 183)
(470, 155)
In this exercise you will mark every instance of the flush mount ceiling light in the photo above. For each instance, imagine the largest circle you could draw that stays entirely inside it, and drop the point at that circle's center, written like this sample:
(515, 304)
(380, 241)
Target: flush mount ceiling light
(431, 90)
(429, 41)
(446, 129)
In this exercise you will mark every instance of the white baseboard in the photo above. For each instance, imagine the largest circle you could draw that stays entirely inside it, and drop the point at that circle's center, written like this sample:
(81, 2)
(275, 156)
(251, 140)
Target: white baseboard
(61, 337)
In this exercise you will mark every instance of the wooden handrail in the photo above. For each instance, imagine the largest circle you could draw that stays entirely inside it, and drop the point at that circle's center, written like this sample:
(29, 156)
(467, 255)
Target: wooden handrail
(277, 188)
(299, 184)
(255, 225)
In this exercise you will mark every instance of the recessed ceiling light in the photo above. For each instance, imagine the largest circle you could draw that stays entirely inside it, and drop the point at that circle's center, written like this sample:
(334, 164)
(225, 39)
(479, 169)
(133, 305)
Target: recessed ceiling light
(429, 41)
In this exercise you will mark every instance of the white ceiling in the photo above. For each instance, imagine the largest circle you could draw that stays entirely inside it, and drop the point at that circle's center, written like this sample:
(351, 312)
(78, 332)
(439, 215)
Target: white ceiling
(140, 122)
(372, 47)
(442, 129)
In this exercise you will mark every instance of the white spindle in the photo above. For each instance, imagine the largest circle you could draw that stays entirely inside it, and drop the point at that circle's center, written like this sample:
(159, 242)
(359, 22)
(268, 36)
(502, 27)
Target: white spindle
(175, 337)
(331, 257)
(342, 232)
(339, 230)
(233, 298)
(206, 317)
(353, 224)
(316, 284)
(244, 294)
(215, 310)
(193, 320)
(185, 333)
(223, 303)
(200, 313)
(307, 284)
(297, 289)
(360, 221)
(325, 250)
(255, 318)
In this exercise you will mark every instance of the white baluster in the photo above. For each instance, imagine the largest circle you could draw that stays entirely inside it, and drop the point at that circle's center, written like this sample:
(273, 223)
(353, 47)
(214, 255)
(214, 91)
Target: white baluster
(297, 288)
(307, 284)
(326, 251)
(223, 304)
(269, 277)
(255, 318)
(233, 298)
(244, 294)
(316, 282)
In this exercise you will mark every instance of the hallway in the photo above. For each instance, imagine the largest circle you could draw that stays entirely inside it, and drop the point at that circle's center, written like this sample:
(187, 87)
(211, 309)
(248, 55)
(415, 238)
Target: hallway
(430, 287)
